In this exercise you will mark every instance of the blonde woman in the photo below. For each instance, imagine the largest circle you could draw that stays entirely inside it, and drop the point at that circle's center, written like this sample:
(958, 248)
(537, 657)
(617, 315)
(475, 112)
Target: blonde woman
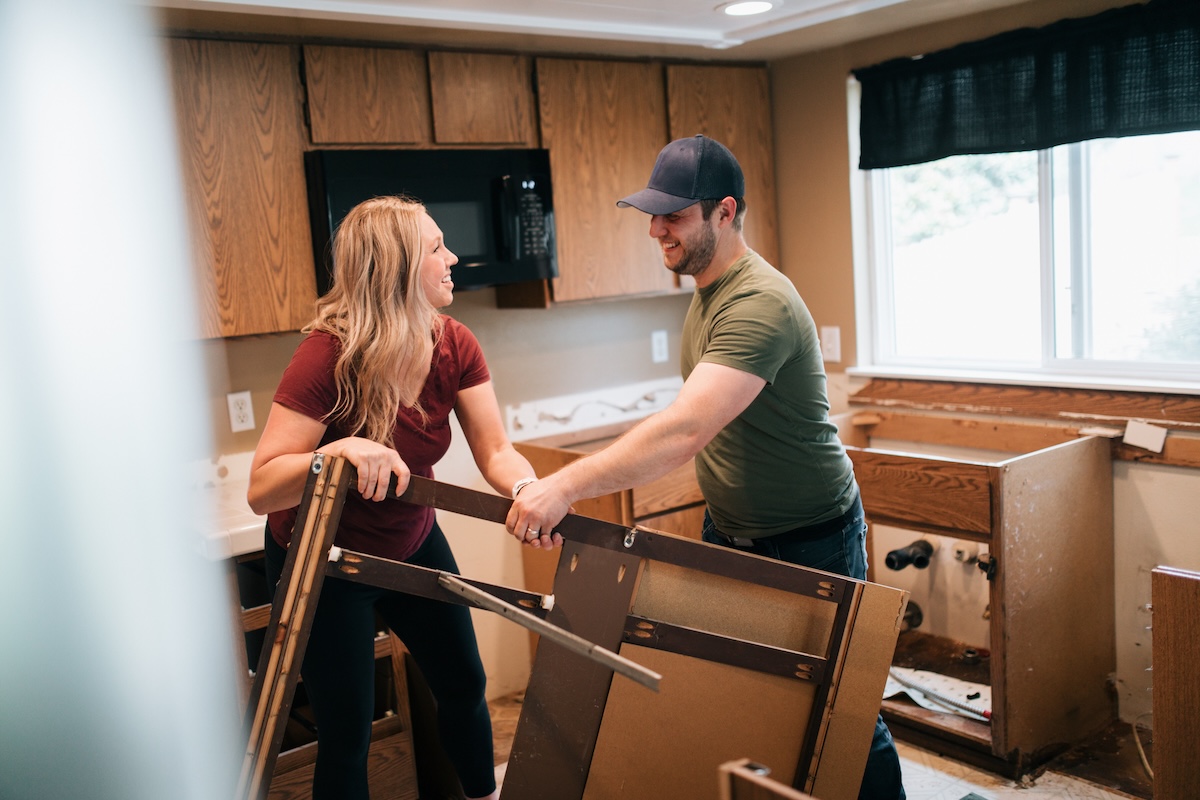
(374, 382)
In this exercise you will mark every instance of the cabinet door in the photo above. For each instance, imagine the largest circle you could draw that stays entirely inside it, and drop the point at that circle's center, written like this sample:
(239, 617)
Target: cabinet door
(364, 95)
(733, 106)
(242, 143)
(604, 123)
(480, 98)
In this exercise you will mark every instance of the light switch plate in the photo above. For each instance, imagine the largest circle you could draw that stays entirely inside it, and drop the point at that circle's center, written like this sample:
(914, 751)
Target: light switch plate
(831, 343)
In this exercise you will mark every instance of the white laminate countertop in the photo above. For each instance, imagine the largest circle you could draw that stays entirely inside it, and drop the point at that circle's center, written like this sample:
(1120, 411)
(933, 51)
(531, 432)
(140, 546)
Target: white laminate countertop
(227, 526)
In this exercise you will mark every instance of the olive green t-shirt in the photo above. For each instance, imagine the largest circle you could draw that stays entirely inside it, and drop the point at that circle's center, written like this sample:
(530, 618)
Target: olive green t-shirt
(779, 465)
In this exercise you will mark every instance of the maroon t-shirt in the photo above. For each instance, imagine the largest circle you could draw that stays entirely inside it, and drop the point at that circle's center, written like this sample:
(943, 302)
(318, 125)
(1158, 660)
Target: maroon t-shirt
(390, 528)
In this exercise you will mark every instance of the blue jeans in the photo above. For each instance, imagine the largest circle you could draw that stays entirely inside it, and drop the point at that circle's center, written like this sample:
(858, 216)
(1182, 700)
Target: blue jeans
(841, 549)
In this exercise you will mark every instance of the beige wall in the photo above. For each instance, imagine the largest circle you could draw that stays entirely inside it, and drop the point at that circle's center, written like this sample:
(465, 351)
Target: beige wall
(532, 354)
(812, 151)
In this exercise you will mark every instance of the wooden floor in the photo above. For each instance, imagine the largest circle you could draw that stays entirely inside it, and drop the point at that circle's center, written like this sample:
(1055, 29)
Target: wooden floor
(1104, 768)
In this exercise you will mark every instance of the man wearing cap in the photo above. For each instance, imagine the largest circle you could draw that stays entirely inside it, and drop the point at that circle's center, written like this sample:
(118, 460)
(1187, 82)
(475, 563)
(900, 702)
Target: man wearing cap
(753, 410)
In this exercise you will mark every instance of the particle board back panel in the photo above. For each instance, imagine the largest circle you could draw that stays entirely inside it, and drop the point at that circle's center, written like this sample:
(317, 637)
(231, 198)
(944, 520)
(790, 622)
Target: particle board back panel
(733, 621)
(669, 744)
(1056, 554)
(722, 605)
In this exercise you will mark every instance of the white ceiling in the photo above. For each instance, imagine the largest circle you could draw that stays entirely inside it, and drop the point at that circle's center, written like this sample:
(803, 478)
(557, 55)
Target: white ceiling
(693, 25)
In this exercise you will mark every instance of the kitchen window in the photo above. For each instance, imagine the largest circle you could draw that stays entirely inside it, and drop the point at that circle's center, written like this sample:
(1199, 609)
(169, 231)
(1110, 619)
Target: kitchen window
(1029, 204)
(1078, 260)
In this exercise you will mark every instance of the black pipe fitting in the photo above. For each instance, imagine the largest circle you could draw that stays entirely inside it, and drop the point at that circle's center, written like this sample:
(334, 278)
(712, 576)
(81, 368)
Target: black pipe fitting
(917, 554)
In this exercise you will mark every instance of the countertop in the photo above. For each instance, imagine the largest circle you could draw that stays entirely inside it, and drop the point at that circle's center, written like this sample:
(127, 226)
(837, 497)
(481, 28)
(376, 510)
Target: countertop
(227, 526)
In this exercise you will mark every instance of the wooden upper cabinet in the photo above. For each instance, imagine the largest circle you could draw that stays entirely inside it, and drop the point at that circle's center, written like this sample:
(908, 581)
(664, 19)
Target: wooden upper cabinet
(481, 98)
(365, 95)
(733, 106)
(604, 123)
(242, 142)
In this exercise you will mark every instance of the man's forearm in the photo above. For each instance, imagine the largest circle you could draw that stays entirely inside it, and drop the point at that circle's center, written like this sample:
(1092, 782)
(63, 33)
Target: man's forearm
(646, 452)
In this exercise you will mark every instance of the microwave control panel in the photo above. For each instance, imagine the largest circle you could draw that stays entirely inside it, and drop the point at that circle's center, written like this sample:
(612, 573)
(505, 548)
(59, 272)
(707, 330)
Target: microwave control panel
(526, 221)
(531, 221)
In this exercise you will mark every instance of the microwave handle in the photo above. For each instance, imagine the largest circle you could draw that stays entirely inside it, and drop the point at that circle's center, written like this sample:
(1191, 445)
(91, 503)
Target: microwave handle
(503, 209)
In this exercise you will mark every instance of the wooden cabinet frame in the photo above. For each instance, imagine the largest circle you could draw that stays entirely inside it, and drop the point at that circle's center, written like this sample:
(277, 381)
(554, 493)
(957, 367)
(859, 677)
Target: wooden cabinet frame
(758, 655)
(1044, 508)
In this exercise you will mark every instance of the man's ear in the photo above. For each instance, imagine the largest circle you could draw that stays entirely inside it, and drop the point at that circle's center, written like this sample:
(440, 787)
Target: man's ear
(728, 208)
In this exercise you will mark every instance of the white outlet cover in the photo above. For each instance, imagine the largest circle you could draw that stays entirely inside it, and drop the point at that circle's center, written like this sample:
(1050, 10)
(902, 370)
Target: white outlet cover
(659, 349)
(241, 411)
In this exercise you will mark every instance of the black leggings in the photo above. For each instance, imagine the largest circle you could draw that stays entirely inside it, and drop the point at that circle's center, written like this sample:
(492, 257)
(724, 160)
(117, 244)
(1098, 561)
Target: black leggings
(339, 674)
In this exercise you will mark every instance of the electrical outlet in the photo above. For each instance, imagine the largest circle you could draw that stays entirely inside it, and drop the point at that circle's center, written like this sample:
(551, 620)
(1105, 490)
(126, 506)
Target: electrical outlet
(241, 412)
(831, 343)
(658, 347)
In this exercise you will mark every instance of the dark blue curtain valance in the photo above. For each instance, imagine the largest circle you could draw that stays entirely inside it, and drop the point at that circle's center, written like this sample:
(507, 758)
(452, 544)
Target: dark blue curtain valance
(1128, 71)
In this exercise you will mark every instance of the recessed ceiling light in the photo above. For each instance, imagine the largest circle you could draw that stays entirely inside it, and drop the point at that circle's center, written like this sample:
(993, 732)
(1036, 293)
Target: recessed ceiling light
(745, 9)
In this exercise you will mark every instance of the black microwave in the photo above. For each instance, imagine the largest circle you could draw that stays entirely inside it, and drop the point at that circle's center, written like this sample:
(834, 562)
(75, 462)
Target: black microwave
(494, 207)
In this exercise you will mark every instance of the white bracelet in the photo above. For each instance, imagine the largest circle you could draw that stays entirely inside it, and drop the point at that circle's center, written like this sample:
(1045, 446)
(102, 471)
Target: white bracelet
(521, 484)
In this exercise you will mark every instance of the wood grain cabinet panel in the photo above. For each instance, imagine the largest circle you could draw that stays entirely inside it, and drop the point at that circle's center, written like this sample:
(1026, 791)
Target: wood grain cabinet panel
(1175, 598)
(482, 98)
(364, 95)
(604, 123)
(733, 106)
(242, 141)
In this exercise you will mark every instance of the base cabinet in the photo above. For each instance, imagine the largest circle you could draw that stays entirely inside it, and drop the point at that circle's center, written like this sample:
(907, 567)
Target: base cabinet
(1042, 517)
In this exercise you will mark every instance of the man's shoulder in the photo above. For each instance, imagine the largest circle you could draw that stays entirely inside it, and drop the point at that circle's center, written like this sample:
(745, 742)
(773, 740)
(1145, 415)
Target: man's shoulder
(755, 278)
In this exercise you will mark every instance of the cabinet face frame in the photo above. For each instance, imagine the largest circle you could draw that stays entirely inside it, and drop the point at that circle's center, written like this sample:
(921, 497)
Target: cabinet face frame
(806, 649)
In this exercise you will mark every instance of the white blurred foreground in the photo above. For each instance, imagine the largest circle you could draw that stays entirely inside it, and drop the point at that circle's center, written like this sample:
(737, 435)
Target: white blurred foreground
(115, 676)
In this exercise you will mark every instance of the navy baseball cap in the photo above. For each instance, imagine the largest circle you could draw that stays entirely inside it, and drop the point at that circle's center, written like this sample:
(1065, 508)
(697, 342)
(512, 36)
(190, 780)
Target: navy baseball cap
(686, 172)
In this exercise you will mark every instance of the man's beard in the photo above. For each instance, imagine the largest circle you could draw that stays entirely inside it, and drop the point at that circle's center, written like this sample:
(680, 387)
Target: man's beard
(697, 252)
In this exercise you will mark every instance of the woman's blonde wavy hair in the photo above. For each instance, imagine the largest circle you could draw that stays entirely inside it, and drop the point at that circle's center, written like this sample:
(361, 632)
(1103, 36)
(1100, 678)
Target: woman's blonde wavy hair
(378, 310)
